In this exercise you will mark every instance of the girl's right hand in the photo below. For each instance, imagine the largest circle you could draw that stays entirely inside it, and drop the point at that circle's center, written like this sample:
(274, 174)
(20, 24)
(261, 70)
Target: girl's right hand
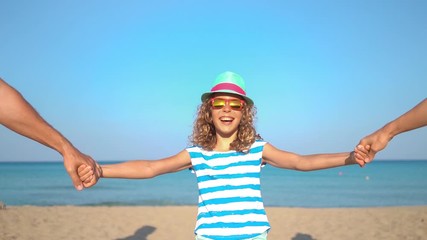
(86, 174)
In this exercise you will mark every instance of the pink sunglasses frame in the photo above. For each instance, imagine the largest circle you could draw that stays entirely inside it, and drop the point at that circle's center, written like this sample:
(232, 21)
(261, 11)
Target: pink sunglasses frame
(227, 102)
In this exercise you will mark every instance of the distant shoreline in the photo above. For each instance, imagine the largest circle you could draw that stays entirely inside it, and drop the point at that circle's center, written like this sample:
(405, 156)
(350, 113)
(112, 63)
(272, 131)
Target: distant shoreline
(188, 205)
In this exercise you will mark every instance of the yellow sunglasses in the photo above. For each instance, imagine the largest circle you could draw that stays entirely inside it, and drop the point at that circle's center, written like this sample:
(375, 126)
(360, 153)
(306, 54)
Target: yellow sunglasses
(234, 104)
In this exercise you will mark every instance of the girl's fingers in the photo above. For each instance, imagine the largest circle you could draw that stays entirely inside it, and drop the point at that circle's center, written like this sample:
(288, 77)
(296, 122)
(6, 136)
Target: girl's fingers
(85, 173)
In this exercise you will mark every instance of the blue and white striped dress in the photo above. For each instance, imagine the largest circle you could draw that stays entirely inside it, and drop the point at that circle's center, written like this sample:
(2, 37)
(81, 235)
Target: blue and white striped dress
(230, 202)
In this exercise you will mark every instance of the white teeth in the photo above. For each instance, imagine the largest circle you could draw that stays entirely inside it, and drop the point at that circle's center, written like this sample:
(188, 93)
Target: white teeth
(226, 119)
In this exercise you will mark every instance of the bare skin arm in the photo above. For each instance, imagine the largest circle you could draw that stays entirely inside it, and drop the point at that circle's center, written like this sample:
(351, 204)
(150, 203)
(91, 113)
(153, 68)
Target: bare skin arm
(377, 141)
(140, 169)
(288, 160)
(19, 116)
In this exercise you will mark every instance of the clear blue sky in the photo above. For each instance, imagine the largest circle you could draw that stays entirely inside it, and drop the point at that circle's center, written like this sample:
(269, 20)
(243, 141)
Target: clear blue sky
(122, 79)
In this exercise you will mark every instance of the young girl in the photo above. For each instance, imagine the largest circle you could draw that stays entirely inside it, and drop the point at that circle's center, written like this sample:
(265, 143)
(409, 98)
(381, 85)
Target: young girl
(227, 155)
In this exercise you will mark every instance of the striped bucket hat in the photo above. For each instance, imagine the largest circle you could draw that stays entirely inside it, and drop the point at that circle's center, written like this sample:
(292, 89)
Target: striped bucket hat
(229, 82)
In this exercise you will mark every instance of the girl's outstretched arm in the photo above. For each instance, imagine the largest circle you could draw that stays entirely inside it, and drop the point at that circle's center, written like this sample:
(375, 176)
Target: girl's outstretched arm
(289, 160)
(147, 168)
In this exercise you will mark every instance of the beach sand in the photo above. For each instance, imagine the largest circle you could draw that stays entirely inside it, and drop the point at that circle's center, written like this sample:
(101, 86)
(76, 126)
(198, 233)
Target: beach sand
(177, 223)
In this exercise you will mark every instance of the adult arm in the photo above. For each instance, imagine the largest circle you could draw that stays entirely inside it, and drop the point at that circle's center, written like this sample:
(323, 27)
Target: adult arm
(413, 119)
(19, 116)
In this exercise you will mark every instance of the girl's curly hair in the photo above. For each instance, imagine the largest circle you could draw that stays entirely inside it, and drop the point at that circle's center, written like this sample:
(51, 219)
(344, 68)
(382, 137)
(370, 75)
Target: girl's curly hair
(204, 133)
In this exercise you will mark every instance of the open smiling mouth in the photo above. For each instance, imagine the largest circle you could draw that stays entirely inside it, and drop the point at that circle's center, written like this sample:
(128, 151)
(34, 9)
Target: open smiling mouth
(226, 119)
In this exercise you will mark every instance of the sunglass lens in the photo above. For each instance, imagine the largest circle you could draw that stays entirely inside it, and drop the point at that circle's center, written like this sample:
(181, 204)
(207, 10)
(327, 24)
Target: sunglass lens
(218, 103)
(236, 104)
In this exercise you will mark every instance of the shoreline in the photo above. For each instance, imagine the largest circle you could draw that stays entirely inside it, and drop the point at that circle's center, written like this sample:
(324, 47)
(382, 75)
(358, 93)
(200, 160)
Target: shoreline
(4, 206)
(177, 222)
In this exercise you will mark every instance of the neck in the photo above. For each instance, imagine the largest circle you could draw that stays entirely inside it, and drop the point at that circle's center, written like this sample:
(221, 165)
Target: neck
(223, 143)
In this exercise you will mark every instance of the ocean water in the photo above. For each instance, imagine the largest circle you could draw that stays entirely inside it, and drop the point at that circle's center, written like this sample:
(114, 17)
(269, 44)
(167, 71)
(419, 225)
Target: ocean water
(381, 183)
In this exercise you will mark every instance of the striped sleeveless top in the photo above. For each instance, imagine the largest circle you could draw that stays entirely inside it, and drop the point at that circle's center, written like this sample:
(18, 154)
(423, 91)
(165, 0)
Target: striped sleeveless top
(230, 203)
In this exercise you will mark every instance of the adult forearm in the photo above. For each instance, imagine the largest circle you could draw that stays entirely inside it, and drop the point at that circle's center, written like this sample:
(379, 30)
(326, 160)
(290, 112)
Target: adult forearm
(19, 116)
(414, 118)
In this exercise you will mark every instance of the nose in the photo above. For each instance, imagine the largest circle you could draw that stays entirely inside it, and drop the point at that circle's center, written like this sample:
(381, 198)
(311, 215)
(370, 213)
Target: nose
(226, 107)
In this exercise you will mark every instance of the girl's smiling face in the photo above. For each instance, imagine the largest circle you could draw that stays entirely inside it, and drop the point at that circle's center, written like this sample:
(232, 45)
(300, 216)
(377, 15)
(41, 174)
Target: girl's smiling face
(226, 119)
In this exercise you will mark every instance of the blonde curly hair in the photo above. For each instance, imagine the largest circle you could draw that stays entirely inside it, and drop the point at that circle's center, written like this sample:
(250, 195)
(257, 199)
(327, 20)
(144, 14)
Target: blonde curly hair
(204, 133)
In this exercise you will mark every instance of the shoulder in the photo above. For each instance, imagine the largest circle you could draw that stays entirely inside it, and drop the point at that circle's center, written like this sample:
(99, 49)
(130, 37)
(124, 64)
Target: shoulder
(269, 150)
(257, 147)
(193, 148)
(195, 151)
(258, 143)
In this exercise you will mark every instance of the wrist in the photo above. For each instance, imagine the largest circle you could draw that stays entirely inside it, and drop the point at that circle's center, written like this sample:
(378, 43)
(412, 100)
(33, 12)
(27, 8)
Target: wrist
(351, 159)
(101, 171)
(389, 131)
(63, 146)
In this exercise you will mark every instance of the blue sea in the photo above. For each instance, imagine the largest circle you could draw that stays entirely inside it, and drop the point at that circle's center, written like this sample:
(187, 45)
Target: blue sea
(381, 183)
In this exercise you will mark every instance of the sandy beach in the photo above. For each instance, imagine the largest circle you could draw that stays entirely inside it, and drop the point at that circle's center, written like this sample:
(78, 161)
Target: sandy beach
(177, 222)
